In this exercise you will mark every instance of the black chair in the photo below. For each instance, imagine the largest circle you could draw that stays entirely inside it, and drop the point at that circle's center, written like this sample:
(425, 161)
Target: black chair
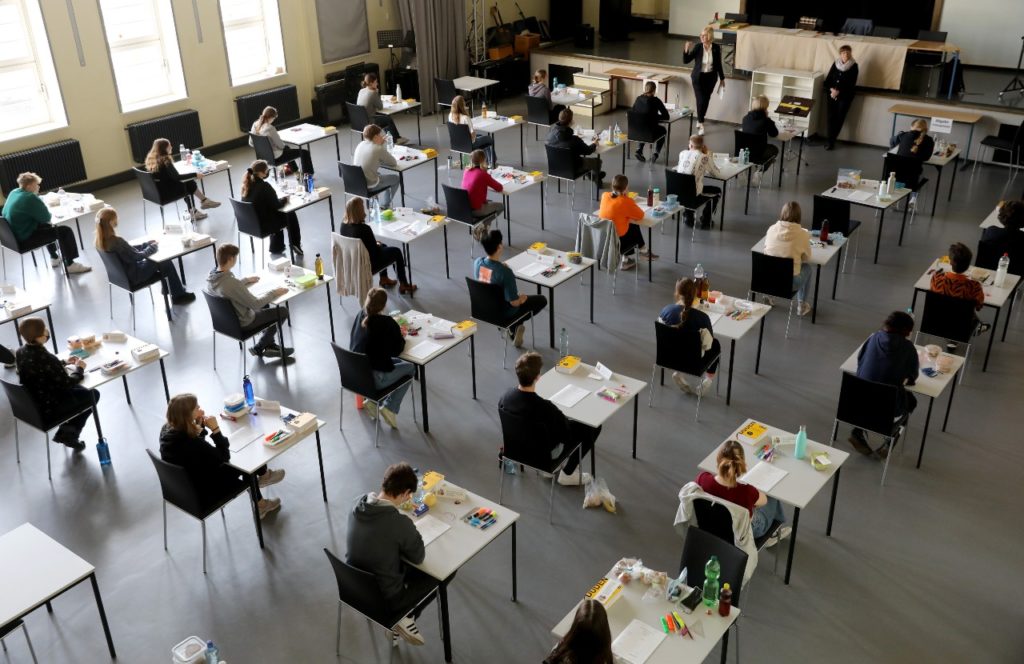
(885, 31)
(445, 89)
(519, 437)
(678, 349)
(460, 142)
(358, 118)
(9, 241)
(929, 61)
(456, 200)
(25, 410)
(538, 114)
(225, 321)
(989, 253)
(684, 186)
(264, 150)
(698, 547)
(1013, 145)
(562, 166)
(356, 376)
(179, 490)
(837, 212)
(487, 305)
(871, 406)
(950, 318)
(248, 222)
(5, 631)
(759, 153)
(932, 36)
(117, 275)
(715, 518)
(638, 130)
(151, 194)
(360, 591)
(773, 276)
(857, 26)
(772, 20)
(907, 169)
(354, 180)
(739, 18)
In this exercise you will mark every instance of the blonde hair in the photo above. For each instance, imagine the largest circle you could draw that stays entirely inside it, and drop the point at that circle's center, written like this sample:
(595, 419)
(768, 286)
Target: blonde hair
(708, 29)
(105, 233)
(28, 178)
(179, 414)
(540, 75)
(790, 212)
(759, 103)
(355, 211)
(697, 141)
(159, 155)
(458, 107)
(268, 116)
(731, 462)
(921, 126)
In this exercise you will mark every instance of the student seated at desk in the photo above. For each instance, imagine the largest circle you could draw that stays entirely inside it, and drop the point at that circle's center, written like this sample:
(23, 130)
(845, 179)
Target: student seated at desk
(1008, 239)
(53, 383)
(133, 258)
(622, 210)
(683, 315)
(698, 161)
(379, 337)
(476, 180)
(888, 356)
(589, 639)
(267, 204)
(369, 98)
(380, 254)
(524, 402)
(915, 143)
(957, 283)
(369, 155)
(725, 484)
(491, 270)
(561, 135)
(29, 218)
(758, 123)
(183, 442)
(654, 112)
(252, 311)
(539, 88)
(173, 184)
(786, 238)
(460, 116)
(264, 126)
(381, 539)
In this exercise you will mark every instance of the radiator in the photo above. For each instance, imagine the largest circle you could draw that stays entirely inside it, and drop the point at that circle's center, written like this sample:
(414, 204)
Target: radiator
(179, 128)
(285, 99)
(59, 164)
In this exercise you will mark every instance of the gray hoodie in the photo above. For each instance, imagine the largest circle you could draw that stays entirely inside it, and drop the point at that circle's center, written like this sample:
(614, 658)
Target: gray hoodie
(379, 537)
(246, 304)
(541, 90)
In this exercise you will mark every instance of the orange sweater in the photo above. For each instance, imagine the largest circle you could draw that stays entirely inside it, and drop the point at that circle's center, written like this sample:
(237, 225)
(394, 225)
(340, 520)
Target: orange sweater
(621, 210)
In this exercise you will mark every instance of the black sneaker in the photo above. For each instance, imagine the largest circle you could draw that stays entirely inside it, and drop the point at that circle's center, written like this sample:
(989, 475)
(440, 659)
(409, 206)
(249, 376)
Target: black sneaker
(277, 351)
(640, 156)
(654, 157)
(184, 298)
(297, 250)
(860, 442)
(75, 445)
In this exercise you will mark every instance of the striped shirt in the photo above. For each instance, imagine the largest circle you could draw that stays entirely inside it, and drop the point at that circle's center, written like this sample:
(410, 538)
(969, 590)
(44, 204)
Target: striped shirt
(959, 285)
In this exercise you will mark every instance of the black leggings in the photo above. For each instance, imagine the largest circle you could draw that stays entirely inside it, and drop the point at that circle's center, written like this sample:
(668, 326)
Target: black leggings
(703, 89)
(294, 234)
(391, 255)
(583, 435)
(632, 239)
(291, 153)
(387, 123)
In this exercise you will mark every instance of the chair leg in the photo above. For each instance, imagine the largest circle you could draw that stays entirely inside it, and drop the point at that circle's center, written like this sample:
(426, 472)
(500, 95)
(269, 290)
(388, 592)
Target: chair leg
(376, 428)
(696, 415)
(131, 298)
(110, 298)
(165, 524)
(551, 493)
(650, 395)
(31, 650)
(341, 408)
(790, 316)
(214, 351)
(17, 443)
(49, 473)
(501, 479)
(203, 526)
(888, 457)
(337, 633)
(504, 355)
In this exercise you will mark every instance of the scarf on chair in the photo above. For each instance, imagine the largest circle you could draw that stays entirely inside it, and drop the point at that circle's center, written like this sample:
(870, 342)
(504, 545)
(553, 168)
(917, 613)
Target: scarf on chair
(845, 67)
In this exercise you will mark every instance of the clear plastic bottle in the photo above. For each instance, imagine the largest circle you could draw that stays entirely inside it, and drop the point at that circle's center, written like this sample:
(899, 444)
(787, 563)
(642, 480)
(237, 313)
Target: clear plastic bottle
(183, 152)
(563, 343)
(1001, 270)
(212, 654)
(389, 141)
(617, 135)
(250, 396)
(657, 196)
(318, 266)
(800, 448)
(398, 93)
(698, 272)
(374, 211)
(483, 110)
(712, 570)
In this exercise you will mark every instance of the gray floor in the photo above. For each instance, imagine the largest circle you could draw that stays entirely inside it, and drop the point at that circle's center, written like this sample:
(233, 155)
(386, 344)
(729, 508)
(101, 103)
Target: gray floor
(921, 570)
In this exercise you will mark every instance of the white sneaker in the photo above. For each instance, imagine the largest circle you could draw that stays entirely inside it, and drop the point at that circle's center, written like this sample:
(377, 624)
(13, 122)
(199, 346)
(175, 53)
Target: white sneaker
(55, 262)
(198, 215)
(209, 203)
(575, 479)
(77, 268)
(268, 505)
(271, 477)
(370, 409)
(408, 630)
(803, 308)
(627, 264)
(389, 417)
(705, 385)
(681, 383)
(780, 534)
(517, 341)
(700, 128)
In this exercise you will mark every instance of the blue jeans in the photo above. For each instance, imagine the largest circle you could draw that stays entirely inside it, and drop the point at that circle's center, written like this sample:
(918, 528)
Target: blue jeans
(800, 282)
(765, 516)
(382, 379)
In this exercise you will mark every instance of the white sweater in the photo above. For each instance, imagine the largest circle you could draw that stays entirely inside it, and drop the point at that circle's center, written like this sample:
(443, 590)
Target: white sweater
(697, 163)
(788, 240)
(270, 131)
(369, 156)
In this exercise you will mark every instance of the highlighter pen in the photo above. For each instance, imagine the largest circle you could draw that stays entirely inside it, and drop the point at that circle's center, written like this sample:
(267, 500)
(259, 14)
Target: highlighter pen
(664, 625)
(671, 623)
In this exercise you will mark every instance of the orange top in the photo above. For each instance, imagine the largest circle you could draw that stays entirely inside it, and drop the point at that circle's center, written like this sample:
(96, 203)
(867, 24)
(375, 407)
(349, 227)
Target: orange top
(621, 210)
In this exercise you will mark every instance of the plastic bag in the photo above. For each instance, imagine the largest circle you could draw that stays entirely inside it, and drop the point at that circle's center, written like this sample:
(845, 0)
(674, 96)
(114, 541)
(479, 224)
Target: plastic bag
(598, 495)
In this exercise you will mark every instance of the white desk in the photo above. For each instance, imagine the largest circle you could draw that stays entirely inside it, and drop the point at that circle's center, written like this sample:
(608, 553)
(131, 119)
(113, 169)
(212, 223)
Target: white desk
(35, 569)
(171, 246)
(728, 170)
(305, 133)
(495, 123)
(409, 158)
(460, 544)
(35, 304)
(995, 297)
(299, 198)
(472, 83)
(407, 226)
(869, 188)
(730, 326)
(928, 386)
(393, 106)
(210, 167)
(802, 482)
(524, 266)
(939, 161)
(249, 454)
(427, 324)
(992, 219)
(72, 207)
(674, 649)
(821, 254)
(513, 182)
(576, 97)
(270, 279)
(674, 116)
(592, 410)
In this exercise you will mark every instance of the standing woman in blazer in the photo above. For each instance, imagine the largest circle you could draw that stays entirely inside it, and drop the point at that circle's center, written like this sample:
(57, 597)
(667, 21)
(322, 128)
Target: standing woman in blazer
(707, 70)
(264, 199)
(839, 86)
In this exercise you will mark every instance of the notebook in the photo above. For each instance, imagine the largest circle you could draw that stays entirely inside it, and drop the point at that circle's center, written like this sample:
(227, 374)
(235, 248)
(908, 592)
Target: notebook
(763, 476)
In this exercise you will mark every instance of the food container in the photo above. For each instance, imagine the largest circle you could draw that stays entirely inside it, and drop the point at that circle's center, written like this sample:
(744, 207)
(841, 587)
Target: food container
(190, 651)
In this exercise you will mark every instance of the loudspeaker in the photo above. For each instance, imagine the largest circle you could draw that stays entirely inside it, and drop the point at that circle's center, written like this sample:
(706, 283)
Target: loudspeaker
(566, 16)
(584, 37)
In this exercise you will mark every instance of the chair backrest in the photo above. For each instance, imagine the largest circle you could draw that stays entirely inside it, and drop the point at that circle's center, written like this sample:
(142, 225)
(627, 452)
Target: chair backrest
(739, 18)
(263, 147)
(459, 138)
(683, 185)
(354, 179)
(561, 163)
(446, 91)
(537, 111)
(22, 405)
(836, 210)
(1018, 136)
(116, 272)
(358, 117)
(678, 348)
(638, 128)
(714, 518)
(249, 221)
(948, 317)
(487, 302)
(868, 405)
(931, 35)
(147, 183)
(771, 275)
(523, 441)
(989, 253)
(359, 590)
(885, 31)
(772, 20)
(857, 26)
(698, 548)
(176, 486)
(355, 371)
(7, 237)
(907, 169)
(456, 200)
(756, 143)
(224, 317)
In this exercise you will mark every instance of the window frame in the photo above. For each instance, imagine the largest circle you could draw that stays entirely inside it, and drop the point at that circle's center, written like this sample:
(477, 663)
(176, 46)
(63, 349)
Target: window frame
(227, 51)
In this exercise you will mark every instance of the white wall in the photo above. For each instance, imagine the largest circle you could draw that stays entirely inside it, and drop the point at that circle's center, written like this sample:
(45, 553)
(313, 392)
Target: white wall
(688, 17)
(987, 31)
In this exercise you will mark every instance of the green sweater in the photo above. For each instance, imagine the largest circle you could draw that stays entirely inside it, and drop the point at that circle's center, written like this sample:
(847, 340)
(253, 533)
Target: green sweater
(25, 211)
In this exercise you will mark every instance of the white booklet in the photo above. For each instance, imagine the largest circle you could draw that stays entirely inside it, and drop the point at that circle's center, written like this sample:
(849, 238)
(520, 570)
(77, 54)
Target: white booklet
(533, 269)
(636, 643)
(424, 348)
(569, 396)
(763, 476)
(430, 527)
(861, 195)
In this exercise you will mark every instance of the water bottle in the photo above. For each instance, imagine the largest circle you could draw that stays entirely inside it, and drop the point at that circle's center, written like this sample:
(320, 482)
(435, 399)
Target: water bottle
(800, 449)
(725, 601)
(389, 141)
(823, 233)
(509, 466)
(103, 450)
(563, 343)
(318, 266)
(483, 110)
(374, 211)
(183, 151)
(890, 186)
(657, 196)
(618, 134)
(698, 272)
(212, 654)
(398, 92)
(711, 572)
(912, 203)
(1001, 270)
(250, 397)
(309, 183)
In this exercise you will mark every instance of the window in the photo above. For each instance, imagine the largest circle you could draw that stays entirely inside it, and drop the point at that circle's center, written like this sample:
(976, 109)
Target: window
(252, 34)
(30, 99)
(143, 52)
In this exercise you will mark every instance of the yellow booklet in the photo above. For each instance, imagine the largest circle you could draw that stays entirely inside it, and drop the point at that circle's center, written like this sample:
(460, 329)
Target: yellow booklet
(464, 327)
(568, 364)
(752, 431)
(605, 591)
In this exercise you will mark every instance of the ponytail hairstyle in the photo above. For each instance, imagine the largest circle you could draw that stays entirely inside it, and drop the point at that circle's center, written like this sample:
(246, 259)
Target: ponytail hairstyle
(256, 168)
(731, 462)
(921, 127)
(369, 78)
(540, 75)
(478, 159)
(106, 220)
(355, 211)
(376, 300)
(620, 183)
(268, 116)
(158, 155)
(686, 293)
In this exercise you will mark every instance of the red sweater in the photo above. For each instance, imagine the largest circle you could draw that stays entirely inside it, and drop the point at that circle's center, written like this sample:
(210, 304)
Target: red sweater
(476, 181)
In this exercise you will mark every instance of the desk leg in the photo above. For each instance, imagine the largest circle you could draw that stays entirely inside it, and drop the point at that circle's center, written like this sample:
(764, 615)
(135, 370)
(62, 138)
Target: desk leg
(967, 155)
(878, 237)
(472, 361)
(938, 183)
(746, 205)
(330, 206)
(330, 308)
(81, 242)
(522, 149)
(447, 272)
(817, 287)
(408, 260)
(903, 224)
(435, 180)
(337, 147)
(725, 647)
(679, 221)
(650, 250)
(253, 492)
(760, 337)
(423, 397)
(832, 502)
(592, 278)
(96, 417)
(949, 404)
(636, 412)
(542, 204)
(1009, 312)
(551, 314)
(103, 615)
(127, 394)
(991, 338)
(800, 154)
(792, 544)
(508, 221)
(782, 161)
(514, 579)
(231, 185)
(732, 360)
(49, 318)
(952, 179)
(401, 186)
(924, 433)
(835, 279)
(163, 376)
(892, 132)
(721, 213)
(913, 300)
(419, 134)
(446, 634)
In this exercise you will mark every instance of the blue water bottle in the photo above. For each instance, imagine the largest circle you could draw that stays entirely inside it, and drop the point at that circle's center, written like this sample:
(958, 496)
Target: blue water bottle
(309, 183)
(250, 397)
(103, 450)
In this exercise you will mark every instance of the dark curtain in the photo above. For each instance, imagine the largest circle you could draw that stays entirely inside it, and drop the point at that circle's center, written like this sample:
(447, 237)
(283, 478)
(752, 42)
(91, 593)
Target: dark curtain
(440, 27)
(908, 15)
